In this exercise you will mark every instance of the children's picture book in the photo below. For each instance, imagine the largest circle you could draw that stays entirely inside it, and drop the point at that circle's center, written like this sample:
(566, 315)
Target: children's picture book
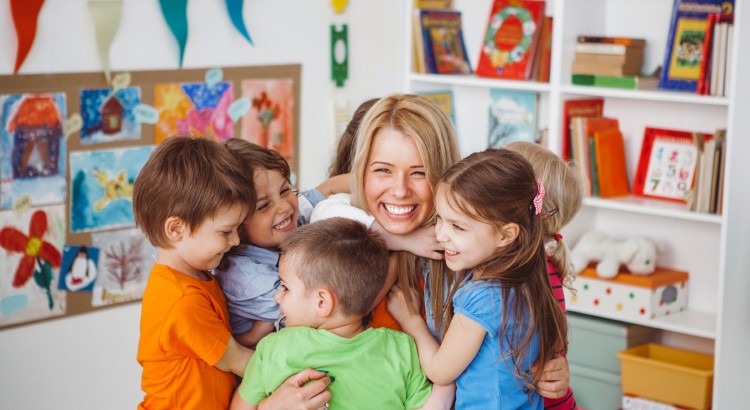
(612, 172)
(583, 130)
(443, 40)
(667, 164)
(109, 116)
(591, 107)
(32, 149)
(188, 109)
(686, 45)
(101, 187)
(512, 117)
(30, 255)
(270, 120)
(125, 261)
(544, 53)
(511, 39)
(444, 100)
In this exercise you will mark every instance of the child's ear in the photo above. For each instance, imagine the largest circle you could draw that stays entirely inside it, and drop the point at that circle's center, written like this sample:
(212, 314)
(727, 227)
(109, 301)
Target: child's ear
(326, 302)
(507, 234)
(175, 228)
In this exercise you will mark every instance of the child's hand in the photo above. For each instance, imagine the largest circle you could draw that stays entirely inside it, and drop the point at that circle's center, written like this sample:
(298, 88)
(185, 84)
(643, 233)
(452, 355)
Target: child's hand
(399, 309)
(421, 242)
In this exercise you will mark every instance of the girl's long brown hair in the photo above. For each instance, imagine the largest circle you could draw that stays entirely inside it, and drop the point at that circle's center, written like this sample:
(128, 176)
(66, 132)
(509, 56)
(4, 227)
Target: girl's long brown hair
(498, 187)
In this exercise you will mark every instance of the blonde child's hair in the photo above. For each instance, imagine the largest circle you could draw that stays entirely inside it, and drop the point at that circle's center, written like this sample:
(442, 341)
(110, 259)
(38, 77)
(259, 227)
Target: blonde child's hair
(343, 256)
(562, 201)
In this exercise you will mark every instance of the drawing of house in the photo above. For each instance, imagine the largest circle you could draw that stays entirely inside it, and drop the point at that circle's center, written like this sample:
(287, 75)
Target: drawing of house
(37, 132)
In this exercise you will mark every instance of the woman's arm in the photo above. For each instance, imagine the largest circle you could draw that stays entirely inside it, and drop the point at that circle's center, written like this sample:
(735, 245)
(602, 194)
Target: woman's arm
(555, 378)
(335, 185)
(296, 393)
(421, 242)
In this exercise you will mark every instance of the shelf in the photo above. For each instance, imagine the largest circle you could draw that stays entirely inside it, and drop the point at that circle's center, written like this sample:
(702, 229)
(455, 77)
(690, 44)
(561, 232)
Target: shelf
(643, 95)
(473, 81)
(656, 207)
(689, 322)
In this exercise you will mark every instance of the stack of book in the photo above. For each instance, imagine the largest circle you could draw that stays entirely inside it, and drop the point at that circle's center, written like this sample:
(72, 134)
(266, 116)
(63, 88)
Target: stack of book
(708, 187)
(610, 62)
(717, 57)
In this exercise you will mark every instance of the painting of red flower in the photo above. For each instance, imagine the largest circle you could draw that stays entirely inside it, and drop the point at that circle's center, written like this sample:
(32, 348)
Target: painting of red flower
(33, 246)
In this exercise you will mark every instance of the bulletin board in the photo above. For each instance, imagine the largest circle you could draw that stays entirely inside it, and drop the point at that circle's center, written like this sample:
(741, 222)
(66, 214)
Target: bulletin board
(71, 149)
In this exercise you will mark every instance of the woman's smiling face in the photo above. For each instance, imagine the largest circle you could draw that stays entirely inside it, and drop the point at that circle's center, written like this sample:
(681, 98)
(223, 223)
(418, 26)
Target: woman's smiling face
(397, 191)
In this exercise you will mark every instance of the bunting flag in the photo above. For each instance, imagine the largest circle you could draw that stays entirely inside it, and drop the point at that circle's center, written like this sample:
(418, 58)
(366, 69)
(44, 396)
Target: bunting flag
(106, 16)
(25, 13)
(175, 12)
(235, 13)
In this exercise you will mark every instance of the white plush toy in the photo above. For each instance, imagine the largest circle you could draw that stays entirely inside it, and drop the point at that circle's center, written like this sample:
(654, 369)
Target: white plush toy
(637, 253)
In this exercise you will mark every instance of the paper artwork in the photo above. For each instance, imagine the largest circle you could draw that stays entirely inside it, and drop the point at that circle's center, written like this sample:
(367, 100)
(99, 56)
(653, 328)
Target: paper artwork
(79, 267)
(30, 256)
(32, 148)
(198, 109)
(101, 187)
(270, 120)
(109, 116)
(125, 260)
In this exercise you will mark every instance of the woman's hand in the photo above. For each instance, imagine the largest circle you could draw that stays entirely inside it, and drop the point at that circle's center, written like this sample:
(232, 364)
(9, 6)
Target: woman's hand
(399, 309)
(555, 378)
(420, 242)
(296, 394)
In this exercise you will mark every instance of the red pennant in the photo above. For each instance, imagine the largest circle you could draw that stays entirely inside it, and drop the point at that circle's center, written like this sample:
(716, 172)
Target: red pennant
(25, 13)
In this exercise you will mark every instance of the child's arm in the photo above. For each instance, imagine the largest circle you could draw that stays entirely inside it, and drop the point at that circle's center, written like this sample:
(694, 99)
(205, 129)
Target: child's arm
(251, 338)
(441, 397)
(441, 363)
(235, 358)
(340, 205)
(335, 185)
(238, 403)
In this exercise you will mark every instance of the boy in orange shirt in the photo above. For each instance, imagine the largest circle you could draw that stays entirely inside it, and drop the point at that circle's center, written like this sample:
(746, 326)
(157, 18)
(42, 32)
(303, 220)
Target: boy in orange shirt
(189, 199)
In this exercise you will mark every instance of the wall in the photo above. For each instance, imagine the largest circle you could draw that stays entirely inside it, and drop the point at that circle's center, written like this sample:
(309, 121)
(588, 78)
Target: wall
(88, 361)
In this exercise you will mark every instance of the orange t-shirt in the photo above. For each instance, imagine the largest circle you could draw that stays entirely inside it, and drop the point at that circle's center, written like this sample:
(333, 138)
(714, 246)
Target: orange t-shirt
(382, 318)
(184, 333)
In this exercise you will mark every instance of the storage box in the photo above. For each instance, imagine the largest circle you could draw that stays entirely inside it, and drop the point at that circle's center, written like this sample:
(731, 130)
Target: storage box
(639, 403)
(594, 389)
(668, 375)
(630, 296)
(594, 342)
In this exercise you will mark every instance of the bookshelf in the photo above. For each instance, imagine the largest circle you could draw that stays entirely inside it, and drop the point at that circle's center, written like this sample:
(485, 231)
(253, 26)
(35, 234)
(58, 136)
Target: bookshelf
(714, 249)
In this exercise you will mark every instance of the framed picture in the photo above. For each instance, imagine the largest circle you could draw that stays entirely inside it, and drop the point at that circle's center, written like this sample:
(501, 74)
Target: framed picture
(667, 164)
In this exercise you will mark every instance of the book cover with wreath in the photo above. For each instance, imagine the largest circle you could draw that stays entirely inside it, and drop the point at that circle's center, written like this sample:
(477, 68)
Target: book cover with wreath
(511, 39)
(686, 42)
(444, 49)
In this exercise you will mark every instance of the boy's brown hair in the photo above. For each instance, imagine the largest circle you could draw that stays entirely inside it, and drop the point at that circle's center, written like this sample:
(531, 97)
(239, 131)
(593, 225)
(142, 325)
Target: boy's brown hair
(251, 156)
(190, 178)
(341, 255)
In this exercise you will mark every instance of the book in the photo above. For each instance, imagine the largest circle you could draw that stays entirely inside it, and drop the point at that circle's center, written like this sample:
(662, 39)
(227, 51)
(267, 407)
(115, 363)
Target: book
(593, 167)
(611, 165)
(626, 82)
(630, 57)
(588, 128)
(433, 4)
(444, 100)
(606, 48)
(512, 117)
(686, 42)
(666, 165)
(728, 60)
(614, 70)
(626, 41)
(694, 194)
(717, 86)
(719, 140)
(544, 53)
(511, 39)
(593, 107)
(418, 53)
(709, 59)
(444, 49)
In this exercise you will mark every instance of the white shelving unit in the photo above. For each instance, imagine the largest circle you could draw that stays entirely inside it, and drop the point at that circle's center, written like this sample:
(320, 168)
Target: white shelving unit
(714, 249)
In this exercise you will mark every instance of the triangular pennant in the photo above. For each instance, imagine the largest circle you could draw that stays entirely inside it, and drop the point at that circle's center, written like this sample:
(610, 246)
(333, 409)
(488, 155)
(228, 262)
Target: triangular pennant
(106, 16)
(235, 13)
(175, 12)
(25, 13)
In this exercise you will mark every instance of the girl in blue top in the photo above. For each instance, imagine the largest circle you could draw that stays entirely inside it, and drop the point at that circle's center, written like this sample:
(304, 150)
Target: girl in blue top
(502, 323)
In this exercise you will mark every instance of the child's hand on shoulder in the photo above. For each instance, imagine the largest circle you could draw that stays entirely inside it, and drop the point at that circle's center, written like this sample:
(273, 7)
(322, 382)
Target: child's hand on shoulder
(399, 308)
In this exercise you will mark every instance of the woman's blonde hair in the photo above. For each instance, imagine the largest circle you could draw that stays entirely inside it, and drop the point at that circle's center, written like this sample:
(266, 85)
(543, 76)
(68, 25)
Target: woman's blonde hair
(421, 120)
(562, 201)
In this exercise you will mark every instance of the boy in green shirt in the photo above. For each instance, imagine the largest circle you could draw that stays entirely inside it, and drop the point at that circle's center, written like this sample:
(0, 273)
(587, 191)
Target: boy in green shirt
(331, 272)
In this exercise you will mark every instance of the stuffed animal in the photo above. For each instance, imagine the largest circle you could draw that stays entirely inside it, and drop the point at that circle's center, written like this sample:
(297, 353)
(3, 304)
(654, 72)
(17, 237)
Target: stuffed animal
(637, 253)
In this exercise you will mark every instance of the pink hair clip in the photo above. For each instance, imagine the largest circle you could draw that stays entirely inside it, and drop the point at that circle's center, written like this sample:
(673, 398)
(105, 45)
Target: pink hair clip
(539, 198)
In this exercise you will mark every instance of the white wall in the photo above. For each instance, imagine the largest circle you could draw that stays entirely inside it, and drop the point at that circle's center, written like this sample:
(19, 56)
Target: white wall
(88, 361)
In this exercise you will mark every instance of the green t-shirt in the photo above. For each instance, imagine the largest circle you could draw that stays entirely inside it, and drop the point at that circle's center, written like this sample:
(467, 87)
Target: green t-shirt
(377, 369)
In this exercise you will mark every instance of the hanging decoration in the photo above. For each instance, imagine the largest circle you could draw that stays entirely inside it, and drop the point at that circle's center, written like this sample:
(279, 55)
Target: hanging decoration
(175, 12)
(25, 13)
(339, 66)
(234, 7)
(106, 16)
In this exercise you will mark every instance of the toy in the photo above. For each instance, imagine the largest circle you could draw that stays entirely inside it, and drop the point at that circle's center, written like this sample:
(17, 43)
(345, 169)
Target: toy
(637, 253)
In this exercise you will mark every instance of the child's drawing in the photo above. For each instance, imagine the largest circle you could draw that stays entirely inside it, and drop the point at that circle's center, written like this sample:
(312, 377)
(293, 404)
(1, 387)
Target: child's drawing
(270, 120)
(101, 187)
(30, 259)
(194, 109)
(109, 116)
(125, 260)
(78, 269)
(33, 148)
